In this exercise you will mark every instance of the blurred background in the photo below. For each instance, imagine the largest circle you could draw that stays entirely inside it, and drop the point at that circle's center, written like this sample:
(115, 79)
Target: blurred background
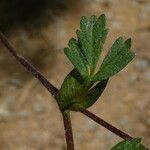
(40, 29)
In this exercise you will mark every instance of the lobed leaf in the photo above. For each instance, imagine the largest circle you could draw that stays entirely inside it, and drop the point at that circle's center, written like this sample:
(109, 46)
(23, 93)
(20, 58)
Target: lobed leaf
(76, 57)
(76, 90)
(117, 58)
(91, 38)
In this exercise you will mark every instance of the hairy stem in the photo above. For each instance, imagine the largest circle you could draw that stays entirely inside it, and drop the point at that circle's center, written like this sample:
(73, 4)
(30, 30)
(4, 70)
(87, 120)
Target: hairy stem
(68, 131)
(105, 124)
(29, 67)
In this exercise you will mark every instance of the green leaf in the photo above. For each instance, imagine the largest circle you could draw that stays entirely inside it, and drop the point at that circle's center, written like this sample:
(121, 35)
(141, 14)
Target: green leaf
(76, 93)
(134, 144)
(117, 58)
(70, 89)
(77, 89)
(94, 93)
(83, 23)
(76, 57)
(91, 38)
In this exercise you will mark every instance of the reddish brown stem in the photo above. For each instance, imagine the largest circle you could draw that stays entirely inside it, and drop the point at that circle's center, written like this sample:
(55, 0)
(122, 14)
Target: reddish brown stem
(68, 131)
(106, 125)
(52, 89)
(29, 67)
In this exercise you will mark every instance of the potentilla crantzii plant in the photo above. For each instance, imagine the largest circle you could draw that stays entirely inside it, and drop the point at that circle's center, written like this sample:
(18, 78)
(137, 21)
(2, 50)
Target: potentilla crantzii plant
(85, 83)
(78, 91)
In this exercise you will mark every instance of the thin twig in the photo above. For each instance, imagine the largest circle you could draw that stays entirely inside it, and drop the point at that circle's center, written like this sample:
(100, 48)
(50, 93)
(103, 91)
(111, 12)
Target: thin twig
(105, 124)
(29, 67)
(68, 131)
(52, 89)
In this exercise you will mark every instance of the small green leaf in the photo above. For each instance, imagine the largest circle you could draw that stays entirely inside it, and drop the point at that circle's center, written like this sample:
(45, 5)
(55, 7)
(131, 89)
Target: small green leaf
(117, 58)
(91, 38)
(70, 89)
(76, 57)
(76, 93)
(134, 144)
(94, 93)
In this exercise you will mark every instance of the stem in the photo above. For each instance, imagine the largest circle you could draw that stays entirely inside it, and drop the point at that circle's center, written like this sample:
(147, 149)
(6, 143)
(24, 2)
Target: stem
(29, 67)
(105, 124)
(68, 130)
(52, 89)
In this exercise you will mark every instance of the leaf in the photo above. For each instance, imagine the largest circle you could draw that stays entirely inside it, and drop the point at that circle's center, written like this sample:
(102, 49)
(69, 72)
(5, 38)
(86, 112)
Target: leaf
(91, 38)
(94, 93)
(76, 93)
(117, 58)
(77, 89)
(76, 57)
(134, 144)
(70, 89)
